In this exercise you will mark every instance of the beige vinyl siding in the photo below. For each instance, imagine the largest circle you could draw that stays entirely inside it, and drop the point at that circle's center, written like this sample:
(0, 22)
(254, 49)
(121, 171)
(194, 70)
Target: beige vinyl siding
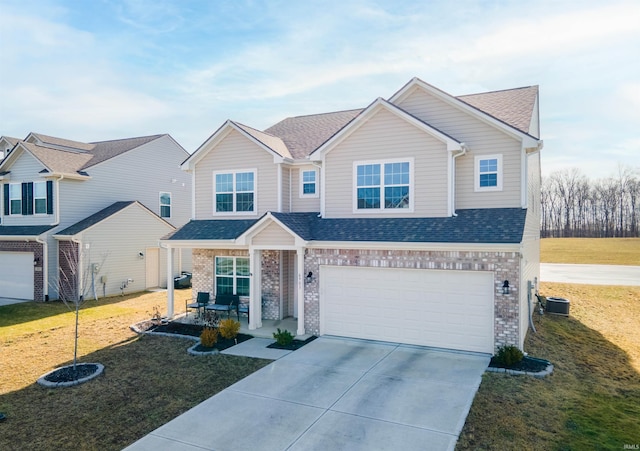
(273, 234)
(306, 203)
(26, 169)
(481, 139)
(530, 241)
(236, 153)
(140, 174)
(117, 241)
(386, 136)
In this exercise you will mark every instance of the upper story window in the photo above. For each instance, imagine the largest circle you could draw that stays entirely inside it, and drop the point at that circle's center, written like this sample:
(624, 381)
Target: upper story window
(488, 173)
(15, 198)
(235, 192)
(28, 198)
(165, 205)
(232, 275)
(309, 183)
(385, 185)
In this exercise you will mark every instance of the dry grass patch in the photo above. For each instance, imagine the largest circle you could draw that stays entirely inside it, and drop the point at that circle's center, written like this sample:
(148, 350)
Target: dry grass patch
(148, 380)
(591, 251)
(591, 401)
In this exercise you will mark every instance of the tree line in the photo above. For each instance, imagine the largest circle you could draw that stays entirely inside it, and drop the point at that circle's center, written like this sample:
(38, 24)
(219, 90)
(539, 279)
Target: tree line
(576, 206)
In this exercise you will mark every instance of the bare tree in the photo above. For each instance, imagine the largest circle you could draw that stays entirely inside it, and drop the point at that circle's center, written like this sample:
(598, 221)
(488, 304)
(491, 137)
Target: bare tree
(76, 273)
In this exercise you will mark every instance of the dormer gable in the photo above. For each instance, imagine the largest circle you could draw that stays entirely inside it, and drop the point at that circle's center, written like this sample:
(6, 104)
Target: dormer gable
(269, 143)
(466, 107)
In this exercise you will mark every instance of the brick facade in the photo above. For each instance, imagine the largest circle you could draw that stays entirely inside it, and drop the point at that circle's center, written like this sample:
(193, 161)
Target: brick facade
(504, 265)
(38, 257)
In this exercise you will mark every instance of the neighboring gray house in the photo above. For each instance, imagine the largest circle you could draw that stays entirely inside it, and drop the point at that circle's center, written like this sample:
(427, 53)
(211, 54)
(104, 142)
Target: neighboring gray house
(60, 195)
(404, 221)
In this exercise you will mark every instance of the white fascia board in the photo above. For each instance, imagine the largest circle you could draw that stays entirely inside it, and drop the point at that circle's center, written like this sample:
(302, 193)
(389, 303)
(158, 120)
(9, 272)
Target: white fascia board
(262, 224)
(363, 117)
(19, 237)
(389, 245)
(212, 141)
(463, 106)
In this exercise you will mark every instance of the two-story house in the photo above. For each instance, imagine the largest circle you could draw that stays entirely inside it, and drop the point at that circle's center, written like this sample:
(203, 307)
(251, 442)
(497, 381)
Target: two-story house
(413, 220)
(89, 216)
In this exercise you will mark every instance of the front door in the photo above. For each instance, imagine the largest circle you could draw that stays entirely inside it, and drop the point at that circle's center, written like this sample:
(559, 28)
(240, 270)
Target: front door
(153, 267)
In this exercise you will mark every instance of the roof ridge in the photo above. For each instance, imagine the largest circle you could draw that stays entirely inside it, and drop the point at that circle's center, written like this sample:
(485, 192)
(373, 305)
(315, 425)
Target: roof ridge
(322, 114)
(127, 139)
(497, 91)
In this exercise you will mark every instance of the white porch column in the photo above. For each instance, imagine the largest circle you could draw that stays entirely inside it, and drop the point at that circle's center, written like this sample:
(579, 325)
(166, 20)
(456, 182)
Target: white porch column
(170, 282)
(300, 287)
(255, 290)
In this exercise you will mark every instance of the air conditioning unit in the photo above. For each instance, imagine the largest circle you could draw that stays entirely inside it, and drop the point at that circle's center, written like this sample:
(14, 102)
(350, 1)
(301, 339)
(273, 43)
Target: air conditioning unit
(559, 306)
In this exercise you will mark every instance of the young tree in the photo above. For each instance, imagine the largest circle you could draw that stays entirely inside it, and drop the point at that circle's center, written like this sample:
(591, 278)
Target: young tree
(76, 275)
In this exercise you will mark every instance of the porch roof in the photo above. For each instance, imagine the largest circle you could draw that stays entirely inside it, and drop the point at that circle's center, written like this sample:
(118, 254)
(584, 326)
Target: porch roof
(33, 230)
(495, 225)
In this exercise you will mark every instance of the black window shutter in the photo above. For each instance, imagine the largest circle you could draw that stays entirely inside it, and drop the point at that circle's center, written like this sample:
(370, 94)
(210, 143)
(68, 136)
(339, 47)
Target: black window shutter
(49, 197)
(6, 199)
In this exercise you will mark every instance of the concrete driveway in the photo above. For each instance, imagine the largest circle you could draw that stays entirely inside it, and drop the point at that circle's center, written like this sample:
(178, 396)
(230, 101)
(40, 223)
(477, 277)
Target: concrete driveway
(590, 274)
(333, 394)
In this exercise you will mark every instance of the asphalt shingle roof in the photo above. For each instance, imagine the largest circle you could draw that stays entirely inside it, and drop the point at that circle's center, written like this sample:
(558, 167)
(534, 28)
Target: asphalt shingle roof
(494, 225)
(212, 229)
(24, 230)
(95, 218)
(513, 106)
(304, 134)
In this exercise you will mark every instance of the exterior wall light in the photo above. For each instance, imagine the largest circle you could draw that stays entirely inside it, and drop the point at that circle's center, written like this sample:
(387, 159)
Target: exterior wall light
(505, 287)
(141, 255)
(309, 277)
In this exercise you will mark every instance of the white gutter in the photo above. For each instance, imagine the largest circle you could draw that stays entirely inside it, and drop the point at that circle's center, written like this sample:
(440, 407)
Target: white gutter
(45, 267)
(452, 197)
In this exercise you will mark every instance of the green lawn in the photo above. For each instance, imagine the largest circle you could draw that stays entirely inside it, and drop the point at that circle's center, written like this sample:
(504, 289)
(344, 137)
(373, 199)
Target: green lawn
(594, 251)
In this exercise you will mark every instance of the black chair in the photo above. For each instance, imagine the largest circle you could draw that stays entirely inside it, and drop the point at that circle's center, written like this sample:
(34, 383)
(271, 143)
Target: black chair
(202, 300)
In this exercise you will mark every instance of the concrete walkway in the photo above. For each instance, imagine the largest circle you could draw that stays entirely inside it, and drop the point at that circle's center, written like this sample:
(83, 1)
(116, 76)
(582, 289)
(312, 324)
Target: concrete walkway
(590, 274)
(335, 393)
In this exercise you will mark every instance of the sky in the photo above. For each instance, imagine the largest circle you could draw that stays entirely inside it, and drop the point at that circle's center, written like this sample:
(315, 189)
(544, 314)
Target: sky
(94, 70)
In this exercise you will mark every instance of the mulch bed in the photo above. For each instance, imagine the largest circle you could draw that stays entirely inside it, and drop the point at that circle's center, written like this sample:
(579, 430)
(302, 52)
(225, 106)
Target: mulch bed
(195, 330)
(67, 374)
(295, 344)
(529, 364)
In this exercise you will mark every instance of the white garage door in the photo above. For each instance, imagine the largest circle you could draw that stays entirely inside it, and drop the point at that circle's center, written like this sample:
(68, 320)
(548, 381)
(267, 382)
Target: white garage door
(16, 275)
(446, 309)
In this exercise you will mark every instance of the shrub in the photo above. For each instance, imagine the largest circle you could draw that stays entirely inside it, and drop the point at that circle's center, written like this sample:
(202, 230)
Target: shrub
(229, 328)
(283, 337)
(509, 355)
(209, 337)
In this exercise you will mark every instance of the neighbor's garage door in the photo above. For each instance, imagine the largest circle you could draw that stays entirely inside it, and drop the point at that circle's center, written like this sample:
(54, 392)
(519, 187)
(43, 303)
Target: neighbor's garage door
(446, 309)
(16, 275)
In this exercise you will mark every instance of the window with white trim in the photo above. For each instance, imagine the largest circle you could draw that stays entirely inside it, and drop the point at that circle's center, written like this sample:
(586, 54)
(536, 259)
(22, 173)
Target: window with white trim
(40, 198)
(383, 185)
(488, 173)
(232, 275)
(309, 183)
(15, 198)
(234, 192)
(165, 205)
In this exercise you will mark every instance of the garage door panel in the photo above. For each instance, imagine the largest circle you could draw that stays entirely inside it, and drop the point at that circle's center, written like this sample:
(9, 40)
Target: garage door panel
(441, 308)
(16, 275)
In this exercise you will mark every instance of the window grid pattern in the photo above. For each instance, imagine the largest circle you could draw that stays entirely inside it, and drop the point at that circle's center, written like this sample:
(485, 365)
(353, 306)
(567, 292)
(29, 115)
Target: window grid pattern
(488, 173)
(309, 182)
(232, 275)
(392, 180)
(235, 192)
(165, 205)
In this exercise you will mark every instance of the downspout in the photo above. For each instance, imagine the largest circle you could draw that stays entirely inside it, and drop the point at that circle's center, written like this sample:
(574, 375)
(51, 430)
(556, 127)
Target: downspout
(463, 151)
(45, 267)
(80, 267)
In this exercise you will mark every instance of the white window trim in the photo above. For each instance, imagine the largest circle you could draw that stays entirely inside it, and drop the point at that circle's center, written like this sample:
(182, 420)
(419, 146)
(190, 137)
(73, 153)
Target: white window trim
(170, 205)
(234, 276)
(476, 171)
(34, 198)
(317, 190)
(383, 210)
(19, 185)
(255, 193)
